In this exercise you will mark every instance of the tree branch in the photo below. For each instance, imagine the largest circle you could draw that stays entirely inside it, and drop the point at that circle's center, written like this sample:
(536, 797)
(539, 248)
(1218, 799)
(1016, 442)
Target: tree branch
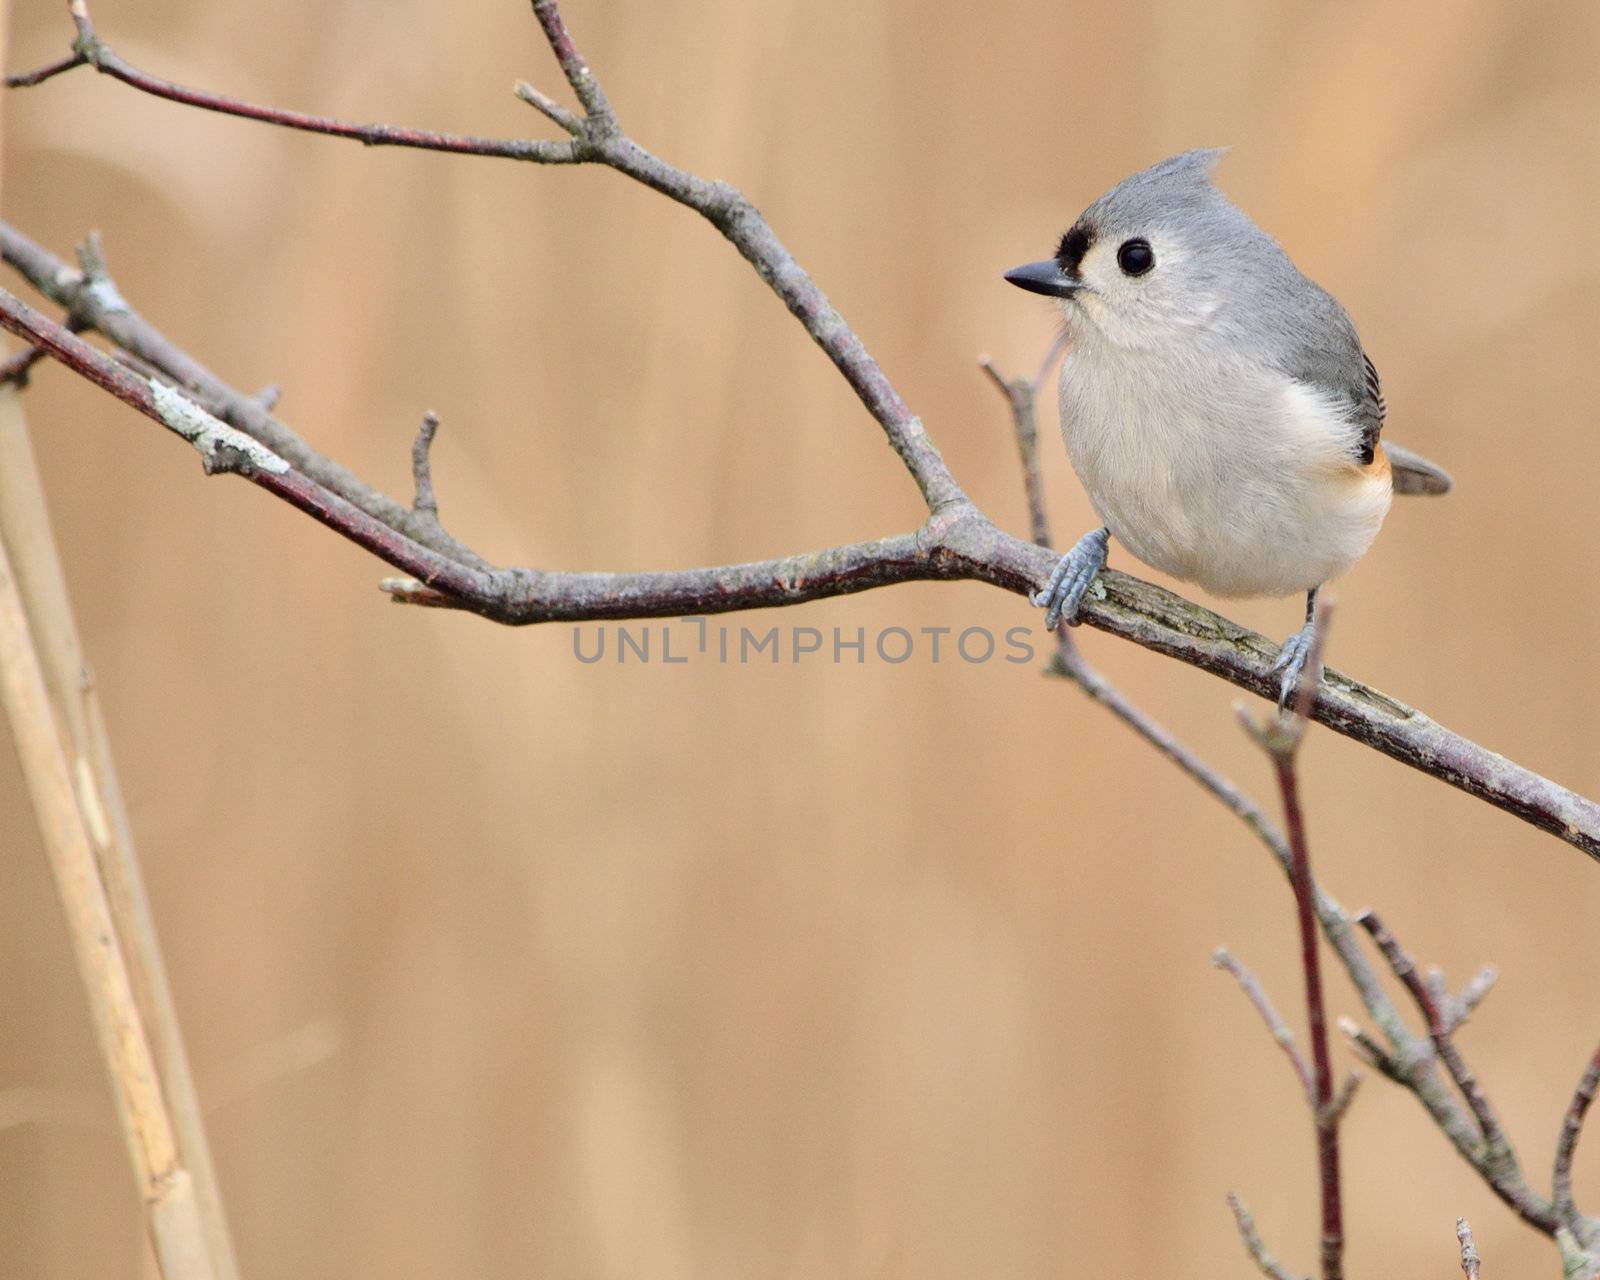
(957, 542)
(1406, 1060)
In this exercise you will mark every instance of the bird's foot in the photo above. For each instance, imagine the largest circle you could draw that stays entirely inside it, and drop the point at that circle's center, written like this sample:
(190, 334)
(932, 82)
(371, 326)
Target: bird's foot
(1065, 591)
(1291, 664)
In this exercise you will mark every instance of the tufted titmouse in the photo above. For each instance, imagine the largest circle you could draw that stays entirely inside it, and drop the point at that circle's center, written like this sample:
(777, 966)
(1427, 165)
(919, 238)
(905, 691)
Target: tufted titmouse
(1216, 404)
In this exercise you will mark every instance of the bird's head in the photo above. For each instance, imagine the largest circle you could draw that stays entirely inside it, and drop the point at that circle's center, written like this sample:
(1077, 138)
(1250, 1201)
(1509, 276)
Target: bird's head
(1152, 258)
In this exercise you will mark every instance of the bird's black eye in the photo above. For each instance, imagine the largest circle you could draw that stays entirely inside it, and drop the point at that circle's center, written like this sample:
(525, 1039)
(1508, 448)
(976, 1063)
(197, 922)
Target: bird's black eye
(1135, 257)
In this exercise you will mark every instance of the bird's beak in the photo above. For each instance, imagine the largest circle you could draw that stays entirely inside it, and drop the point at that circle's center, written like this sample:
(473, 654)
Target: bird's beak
(1045, 277)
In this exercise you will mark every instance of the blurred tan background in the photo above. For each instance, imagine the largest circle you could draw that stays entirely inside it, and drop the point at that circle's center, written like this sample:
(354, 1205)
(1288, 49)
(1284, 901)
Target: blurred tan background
(495, 964)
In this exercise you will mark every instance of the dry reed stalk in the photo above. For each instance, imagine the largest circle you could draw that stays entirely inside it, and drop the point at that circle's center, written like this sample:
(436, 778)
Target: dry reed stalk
(64, 750)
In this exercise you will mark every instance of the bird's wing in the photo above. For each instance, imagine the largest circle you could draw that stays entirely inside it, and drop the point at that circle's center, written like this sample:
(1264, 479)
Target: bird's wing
(1310, 337)
(1415, 474)
(1315, 343)
(1332, 368)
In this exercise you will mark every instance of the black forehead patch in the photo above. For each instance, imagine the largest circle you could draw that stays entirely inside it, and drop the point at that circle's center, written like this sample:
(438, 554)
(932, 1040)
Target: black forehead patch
(1072, 248)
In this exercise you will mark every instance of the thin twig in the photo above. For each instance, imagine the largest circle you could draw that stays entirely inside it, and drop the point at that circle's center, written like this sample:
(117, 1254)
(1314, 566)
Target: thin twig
(1405, 969)
(1469, 1249)
(90, 49)
(1371, 1052)
(1253, 1243)
(16, 369)
(422, 465)
(1567, 1142)
(1493, 1156)
(573, 66)
(550, 108)
(1334, 1111)
(27, 79)
(1281, 738)
(1478, 987)
(1022, 395)
(1279, 1029)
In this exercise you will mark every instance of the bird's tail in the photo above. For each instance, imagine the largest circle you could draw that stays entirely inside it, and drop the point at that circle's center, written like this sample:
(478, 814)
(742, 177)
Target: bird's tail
(1415, 474)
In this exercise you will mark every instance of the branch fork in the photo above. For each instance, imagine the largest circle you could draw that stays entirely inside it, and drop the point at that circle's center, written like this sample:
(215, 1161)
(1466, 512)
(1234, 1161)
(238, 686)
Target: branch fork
(452, 575)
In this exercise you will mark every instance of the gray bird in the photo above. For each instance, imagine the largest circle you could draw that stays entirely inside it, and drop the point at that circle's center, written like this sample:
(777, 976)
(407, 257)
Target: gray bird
(1216, 404)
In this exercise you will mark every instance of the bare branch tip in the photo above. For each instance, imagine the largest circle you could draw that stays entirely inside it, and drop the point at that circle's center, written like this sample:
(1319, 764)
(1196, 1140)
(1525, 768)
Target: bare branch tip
(549, 108)
(1335, 1110)
(1478, 987)
(92, 256)
(1273, 733)
(1469, 1249)
(27, 79)
(996, 377)
(1277, 1028)
(422, 465)
(1253, 1243)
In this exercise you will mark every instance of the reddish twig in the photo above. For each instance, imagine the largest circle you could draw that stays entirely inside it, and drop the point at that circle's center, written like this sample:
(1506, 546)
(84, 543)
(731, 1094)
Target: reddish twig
(89, 49)
(1281, 738)
(573, 66)
(17, 368)
(1316, 1013)
(27, 79)
(438, 579)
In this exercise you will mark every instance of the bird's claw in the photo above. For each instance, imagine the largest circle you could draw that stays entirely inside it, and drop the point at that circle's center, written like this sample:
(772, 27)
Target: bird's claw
(1291, 663)
(1064, 593)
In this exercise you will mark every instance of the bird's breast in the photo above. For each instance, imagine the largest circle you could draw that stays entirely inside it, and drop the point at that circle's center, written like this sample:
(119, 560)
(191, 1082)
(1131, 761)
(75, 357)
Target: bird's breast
(1218, 472)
